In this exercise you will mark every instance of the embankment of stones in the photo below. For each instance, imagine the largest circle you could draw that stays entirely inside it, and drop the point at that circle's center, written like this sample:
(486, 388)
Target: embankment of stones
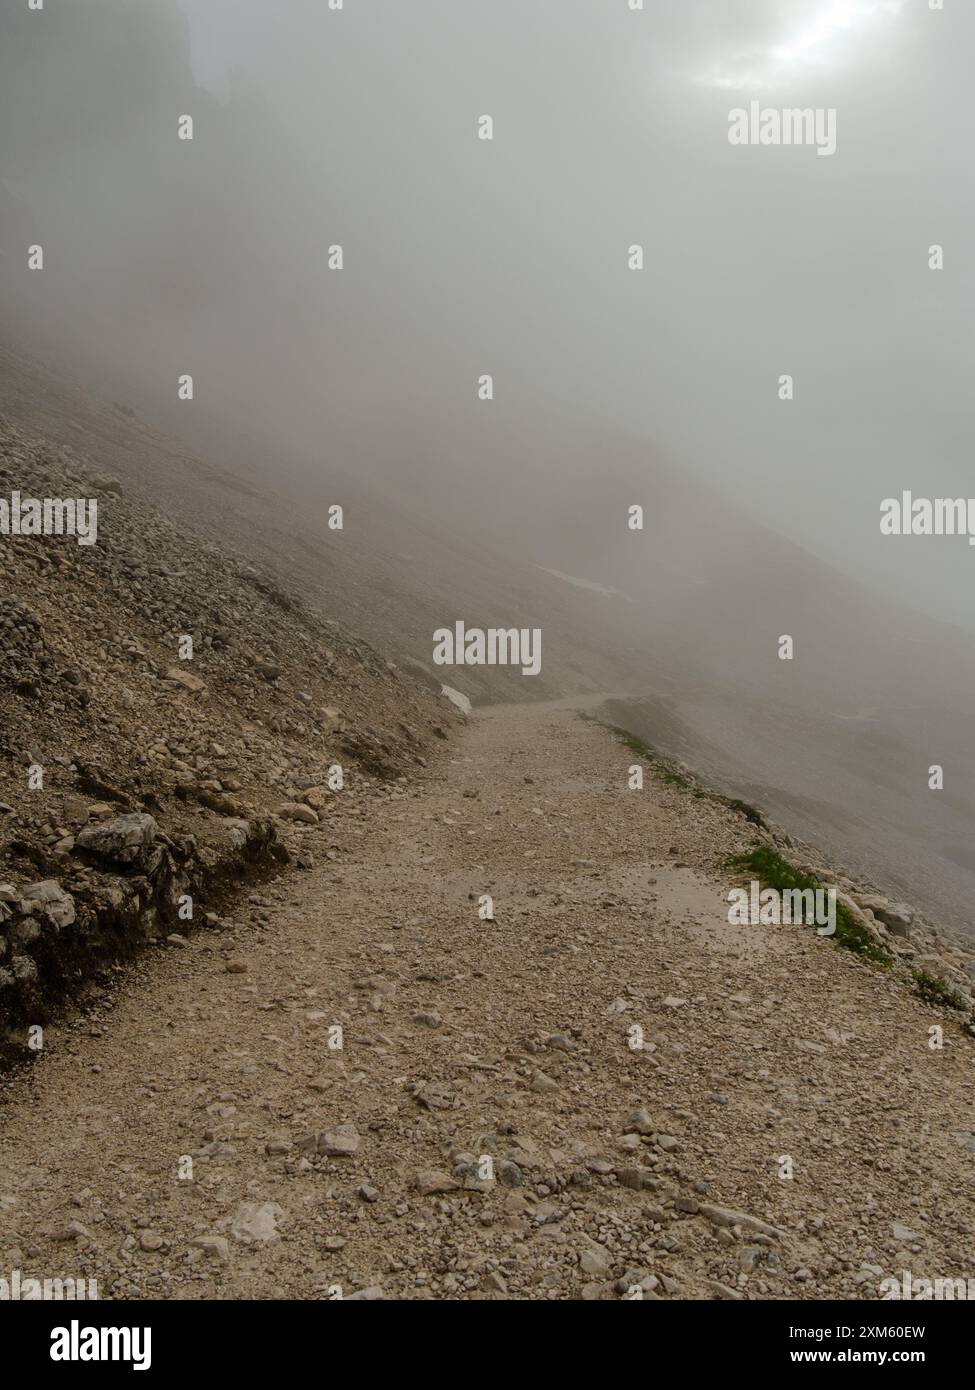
(125, 885)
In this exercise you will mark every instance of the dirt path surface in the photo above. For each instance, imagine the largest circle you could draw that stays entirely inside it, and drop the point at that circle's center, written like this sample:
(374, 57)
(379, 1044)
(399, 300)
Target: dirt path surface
(486, 1130)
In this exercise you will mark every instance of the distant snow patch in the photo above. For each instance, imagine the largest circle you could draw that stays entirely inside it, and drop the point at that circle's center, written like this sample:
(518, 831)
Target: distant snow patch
(586, 584)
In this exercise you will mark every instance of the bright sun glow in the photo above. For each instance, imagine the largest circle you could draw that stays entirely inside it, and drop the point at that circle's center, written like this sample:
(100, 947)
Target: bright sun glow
(819, 42)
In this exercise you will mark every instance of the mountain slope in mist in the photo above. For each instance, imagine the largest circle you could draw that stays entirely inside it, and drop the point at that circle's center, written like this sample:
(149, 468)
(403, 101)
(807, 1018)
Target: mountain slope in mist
(697, 603)
(315, 388)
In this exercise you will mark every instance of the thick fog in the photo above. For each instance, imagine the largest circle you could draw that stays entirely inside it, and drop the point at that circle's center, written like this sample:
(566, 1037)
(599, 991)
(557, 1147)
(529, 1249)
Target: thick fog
(358, 127)
(513, 257)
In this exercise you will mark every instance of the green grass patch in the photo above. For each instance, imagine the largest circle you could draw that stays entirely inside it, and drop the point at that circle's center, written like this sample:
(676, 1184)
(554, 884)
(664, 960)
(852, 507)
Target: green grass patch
(768, 866)
(934, 991)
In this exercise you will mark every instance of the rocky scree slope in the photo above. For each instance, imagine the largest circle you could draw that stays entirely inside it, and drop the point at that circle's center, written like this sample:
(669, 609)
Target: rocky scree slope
(131, 778)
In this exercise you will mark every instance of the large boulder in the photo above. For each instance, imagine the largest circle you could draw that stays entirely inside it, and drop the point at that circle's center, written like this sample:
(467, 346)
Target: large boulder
(123, 840)
(897, 918)
(50, 898)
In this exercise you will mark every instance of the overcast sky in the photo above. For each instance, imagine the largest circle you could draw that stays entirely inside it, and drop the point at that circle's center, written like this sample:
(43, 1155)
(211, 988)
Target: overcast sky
(611, 128)
(464, 256)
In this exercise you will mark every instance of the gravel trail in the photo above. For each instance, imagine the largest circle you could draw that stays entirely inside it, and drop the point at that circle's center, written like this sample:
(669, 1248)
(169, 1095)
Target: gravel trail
(486, 1129)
